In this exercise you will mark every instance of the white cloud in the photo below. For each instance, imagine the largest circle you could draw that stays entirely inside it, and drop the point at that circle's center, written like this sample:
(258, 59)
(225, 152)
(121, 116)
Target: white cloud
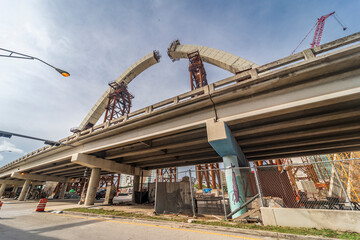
(6, 146)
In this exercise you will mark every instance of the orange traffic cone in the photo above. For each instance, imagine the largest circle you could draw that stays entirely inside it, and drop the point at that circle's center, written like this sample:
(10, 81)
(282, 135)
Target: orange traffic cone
(41, 205)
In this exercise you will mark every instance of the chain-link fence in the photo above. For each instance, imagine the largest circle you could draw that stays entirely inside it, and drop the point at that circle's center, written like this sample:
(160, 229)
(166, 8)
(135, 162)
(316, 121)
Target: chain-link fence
(316, 182)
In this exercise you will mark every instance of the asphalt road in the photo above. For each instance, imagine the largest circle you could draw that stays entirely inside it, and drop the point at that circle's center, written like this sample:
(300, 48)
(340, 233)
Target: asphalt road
(18, 220)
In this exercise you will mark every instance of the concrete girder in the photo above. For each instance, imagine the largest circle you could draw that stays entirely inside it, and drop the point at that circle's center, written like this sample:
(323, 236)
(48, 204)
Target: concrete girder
(159, 149)
(169, 155)
(133, 71)
(39, 177)
(107, 165)
(194, 160)
(62, 170)
(221, 59)
(301, 134)
(57, 166)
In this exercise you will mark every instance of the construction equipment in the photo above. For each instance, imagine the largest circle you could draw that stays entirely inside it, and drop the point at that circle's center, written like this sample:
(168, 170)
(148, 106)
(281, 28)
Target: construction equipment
(347, 166)
(319, 30)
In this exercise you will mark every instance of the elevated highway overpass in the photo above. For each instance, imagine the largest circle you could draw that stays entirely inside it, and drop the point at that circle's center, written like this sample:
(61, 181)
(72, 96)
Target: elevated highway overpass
(304, 104)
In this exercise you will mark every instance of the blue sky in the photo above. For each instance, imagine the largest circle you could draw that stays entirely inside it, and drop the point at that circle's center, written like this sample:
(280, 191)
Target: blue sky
(97, 40)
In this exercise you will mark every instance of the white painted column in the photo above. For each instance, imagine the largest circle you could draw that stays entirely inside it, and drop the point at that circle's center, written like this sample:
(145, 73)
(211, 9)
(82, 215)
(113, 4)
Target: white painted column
(62, 190)
(24, 190)
(2, 189)
(93, 185)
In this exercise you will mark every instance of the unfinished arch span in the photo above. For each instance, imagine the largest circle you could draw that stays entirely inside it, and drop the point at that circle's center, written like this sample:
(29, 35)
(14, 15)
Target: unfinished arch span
(221, 59)
(132, 72)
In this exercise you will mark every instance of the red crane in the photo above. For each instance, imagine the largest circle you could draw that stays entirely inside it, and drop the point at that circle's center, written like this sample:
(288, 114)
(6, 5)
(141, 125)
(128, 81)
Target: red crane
(319, 30)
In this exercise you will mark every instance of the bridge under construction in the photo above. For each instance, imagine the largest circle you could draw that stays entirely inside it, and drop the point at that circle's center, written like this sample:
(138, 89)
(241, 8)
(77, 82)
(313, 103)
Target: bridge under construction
(302, 105)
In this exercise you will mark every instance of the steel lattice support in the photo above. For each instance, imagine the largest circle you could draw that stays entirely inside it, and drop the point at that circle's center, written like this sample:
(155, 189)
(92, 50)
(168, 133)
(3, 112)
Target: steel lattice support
(108, 180)
(209, 174)
(197, 71)
(119, 101)
(167, 174)
(198, 79)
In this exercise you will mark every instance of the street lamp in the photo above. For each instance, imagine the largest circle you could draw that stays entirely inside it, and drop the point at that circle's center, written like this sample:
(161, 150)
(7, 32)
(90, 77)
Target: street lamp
(23, 56)
(48, 142)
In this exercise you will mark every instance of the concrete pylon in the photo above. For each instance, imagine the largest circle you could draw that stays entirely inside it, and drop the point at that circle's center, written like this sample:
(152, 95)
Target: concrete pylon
(2, 189)
(62, 191)
(93, 185)
(28, 192)
(136, 185)
(224, 143)
(24, 190)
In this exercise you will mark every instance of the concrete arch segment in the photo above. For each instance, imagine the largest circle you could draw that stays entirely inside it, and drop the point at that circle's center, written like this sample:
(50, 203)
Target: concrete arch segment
(132, 72)
(224, 60)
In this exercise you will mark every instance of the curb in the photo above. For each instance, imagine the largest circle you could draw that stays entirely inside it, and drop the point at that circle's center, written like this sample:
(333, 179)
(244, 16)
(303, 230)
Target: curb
(205, 227)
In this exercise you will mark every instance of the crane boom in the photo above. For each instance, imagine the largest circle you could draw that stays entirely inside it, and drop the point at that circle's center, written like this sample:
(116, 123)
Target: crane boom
(319, 29)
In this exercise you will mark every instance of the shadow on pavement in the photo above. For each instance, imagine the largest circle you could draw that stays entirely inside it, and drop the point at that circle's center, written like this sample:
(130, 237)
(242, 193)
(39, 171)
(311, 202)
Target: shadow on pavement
(60, 227)
(7, 232)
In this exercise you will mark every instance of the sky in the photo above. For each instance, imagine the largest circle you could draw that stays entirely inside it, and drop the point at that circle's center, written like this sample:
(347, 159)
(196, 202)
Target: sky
(95, 41)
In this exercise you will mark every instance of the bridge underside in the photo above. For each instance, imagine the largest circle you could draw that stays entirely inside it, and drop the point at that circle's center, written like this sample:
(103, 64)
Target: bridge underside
(317, 130)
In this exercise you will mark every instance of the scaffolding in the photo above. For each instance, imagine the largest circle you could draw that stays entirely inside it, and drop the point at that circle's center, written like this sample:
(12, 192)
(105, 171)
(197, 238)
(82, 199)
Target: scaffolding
(349, 172)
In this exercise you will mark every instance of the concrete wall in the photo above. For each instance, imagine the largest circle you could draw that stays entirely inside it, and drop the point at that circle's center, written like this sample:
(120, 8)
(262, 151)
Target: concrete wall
(342, 220)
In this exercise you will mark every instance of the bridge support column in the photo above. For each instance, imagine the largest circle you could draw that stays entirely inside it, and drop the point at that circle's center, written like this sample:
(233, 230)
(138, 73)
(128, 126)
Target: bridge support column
(224, 143)
(62, 190)
(2, 189)
(136, 184)
(28, 192)
(24, 190)
(93, 185)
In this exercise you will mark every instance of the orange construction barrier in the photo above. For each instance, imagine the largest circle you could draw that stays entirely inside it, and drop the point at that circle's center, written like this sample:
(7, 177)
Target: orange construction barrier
(41, 205)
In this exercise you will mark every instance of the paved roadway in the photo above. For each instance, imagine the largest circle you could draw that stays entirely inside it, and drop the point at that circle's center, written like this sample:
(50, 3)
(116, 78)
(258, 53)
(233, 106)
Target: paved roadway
(18, 220)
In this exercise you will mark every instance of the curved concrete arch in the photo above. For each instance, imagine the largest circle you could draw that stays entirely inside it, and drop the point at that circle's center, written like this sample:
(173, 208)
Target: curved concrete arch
(132, 72)
(224, 60)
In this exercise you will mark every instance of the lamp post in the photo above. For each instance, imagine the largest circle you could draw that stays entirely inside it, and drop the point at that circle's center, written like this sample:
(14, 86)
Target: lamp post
(48, 142)
(23, 56)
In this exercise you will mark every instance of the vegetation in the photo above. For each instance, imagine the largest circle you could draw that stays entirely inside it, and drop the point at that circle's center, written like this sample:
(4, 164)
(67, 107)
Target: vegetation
(290, 230)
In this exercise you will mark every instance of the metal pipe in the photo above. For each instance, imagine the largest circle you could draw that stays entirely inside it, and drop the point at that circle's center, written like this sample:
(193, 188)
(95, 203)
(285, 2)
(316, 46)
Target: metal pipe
(156, 193)
(141, 185)
(192, 195)
(259, 187)
(223, 193)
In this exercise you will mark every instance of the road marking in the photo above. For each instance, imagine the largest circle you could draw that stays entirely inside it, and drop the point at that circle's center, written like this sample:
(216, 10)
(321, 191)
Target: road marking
(157, 226)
